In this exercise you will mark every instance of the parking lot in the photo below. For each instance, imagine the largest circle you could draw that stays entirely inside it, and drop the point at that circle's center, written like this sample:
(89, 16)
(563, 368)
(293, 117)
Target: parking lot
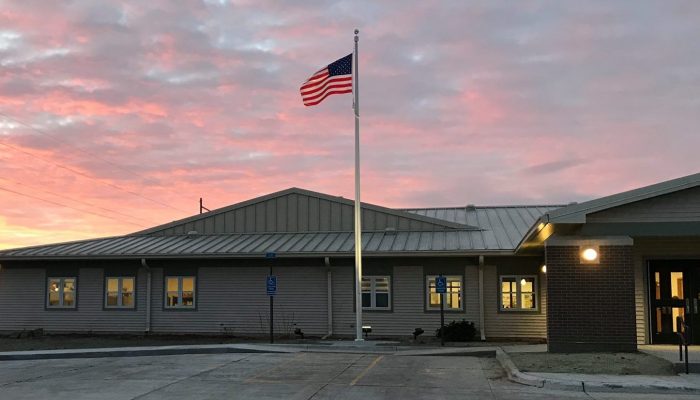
(271, 376)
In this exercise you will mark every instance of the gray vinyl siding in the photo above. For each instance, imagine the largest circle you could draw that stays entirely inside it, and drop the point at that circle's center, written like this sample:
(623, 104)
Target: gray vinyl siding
(22, 304)
(233, 300)
(515, 324)
(682, 206)
(655, 249)
(408, 303)
(296, 212)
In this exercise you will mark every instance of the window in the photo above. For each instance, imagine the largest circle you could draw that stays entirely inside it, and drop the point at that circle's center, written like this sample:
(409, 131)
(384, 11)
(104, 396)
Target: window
(119, 292)
(519, 292)
(376, 293)
(180, 291)
(453, 297)
(61, 292)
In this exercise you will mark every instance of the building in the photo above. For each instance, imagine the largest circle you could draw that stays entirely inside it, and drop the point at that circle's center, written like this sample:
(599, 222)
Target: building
(601, 275)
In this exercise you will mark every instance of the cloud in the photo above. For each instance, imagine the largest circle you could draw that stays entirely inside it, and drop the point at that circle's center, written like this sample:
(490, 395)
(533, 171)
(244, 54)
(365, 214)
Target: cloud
(481, 102)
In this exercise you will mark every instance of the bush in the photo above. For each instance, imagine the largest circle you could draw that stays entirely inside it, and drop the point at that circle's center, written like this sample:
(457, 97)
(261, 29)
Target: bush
(462, 331)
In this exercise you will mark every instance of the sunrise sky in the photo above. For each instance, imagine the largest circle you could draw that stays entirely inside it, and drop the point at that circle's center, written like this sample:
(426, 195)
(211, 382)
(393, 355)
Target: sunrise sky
(128, 112)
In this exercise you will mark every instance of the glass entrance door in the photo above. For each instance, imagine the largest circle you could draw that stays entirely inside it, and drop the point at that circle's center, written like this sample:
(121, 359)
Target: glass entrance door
(674, 292)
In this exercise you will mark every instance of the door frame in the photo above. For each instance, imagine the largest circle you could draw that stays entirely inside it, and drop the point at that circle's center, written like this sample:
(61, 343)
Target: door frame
(691, 287)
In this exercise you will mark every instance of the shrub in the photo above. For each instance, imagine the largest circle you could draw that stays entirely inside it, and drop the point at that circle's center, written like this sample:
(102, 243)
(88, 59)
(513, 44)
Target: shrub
(462, 331)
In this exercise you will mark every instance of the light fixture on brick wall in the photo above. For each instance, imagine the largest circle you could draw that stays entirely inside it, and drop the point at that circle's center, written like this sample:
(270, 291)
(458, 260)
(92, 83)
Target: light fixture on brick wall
(590, 255)
(544, 269)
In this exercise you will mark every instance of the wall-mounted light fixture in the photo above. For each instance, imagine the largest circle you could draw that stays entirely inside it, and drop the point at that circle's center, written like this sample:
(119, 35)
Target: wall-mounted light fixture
(590, 255)
(544, 269)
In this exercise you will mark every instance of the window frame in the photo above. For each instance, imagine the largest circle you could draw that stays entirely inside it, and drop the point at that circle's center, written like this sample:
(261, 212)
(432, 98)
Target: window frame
(518, 293)
(120, 305)
(373, 299)
(61, 279)
(180, 279)
(450, 278)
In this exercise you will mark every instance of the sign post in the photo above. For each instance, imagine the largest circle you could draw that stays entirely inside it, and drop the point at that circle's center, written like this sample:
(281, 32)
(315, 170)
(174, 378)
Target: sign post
(271, 288)
(441, 289)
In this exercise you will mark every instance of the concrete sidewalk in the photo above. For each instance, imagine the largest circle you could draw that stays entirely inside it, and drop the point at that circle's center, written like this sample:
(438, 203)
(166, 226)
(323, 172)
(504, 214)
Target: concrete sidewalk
(682, 384)
(670, 353)
(368, 347)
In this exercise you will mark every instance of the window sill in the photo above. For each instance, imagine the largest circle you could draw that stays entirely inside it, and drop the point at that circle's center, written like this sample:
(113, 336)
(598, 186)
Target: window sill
(450, 311)
(518, 311)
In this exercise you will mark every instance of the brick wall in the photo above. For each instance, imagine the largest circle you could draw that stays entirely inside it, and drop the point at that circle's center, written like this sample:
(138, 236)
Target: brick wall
(591, 306)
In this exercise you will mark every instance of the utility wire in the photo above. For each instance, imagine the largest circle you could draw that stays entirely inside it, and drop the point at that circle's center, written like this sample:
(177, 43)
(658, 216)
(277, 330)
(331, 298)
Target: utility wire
(67, 206)
(81, 150)
(77, 201)
(75, 171)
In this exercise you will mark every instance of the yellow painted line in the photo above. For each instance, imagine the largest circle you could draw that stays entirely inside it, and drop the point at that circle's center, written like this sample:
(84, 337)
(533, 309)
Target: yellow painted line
(366, 370)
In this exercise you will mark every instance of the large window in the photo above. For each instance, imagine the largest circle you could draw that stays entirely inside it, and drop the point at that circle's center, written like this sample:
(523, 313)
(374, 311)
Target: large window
(61, 292)
(180, 291)
(119, 292)
(518, 293)
(376, 293)
(453, 297)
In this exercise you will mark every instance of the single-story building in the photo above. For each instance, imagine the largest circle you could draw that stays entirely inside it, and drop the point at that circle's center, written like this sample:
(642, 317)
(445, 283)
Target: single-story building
(605, 274)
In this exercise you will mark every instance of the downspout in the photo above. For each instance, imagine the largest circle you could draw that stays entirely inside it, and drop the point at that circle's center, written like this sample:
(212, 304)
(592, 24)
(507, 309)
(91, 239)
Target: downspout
(329, 293)
(482, 319)
(148, 294)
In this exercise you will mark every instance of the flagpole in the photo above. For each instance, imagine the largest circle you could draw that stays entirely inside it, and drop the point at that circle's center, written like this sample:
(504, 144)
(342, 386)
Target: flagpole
(358, 210)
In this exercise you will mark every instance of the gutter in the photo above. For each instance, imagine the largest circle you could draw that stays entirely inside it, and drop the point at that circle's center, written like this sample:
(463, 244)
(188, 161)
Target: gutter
(148, 294)
(482, 317)
(329, 294)
(444, 253)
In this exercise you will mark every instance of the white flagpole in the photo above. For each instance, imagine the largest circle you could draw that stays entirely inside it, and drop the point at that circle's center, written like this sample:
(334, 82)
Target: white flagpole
(358, 210)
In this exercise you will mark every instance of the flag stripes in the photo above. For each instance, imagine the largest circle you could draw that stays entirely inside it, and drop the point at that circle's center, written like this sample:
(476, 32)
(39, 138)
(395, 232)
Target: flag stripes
(336, 78)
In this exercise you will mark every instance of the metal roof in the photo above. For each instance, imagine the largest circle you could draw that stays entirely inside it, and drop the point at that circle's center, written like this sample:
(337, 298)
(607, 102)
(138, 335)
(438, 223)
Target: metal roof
(502, 228)
(576, 213)
(505, 226)
(455, 242)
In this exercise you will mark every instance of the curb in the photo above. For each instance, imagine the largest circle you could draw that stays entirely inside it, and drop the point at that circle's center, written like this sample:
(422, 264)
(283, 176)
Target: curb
(515, 375)
(133, 352)
(448, 353)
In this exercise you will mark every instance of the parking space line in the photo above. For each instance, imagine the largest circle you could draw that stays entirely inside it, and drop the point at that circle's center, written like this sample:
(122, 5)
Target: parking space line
(366, 370)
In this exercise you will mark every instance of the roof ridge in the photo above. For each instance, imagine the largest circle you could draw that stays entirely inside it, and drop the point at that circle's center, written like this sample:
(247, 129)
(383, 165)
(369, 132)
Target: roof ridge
(306, 192)
(481, 206)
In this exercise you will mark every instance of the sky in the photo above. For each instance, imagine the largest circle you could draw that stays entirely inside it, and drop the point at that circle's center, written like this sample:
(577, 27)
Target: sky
(117, 116)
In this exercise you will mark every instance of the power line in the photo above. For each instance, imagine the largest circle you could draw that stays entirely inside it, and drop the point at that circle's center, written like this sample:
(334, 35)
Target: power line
(67, 206)
(76, 200)
(89, 177)
(81, 150)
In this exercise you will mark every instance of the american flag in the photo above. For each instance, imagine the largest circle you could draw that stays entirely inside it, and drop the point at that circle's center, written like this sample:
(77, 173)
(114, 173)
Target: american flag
(336, 78)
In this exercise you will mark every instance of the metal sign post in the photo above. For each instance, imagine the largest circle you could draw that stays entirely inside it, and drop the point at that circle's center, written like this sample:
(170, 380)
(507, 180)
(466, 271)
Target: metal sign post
(441, 289)
(271, 288)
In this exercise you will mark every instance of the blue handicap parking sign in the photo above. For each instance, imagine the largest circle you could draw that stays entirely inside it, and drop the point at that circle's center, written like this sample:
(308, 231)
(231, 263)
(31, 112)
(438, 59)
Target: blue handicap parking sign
(271, 285)
(441, 284)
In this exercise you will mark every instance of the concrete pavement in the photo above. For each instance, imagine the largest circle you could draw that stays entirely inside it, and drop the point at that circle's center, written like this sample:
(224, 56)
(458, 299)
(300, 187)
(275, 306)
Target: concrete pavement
(299, 375)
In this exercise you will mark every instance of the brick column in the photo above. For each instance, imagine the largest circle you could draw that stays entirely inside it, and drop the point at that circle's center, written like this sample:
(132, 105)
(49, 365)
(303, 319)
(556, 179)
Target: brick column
(590, 307)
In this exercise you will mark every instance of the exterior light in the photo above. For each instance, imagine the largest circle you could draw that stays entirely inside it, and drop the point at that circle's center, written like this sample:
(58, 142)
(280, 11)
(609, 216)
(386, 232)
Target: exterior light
(589, 255)
(523, 282)
(544, 269)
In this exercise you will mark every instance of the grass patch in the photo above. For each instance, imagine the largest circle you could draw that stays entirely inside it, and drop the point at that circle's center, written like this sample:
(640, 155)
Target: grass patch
(593, 363)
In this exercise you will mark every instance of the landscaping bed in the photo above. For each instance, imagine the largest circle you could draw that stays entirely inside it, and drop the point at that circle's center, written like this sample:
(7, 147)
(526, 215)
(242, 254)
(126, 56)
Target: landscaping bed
(593, 363)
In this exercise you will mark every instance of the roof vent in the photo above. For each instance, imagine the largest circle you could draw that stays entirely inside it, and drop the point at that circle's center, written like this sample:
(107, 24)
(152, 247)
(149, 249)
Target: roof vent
(471, 207)
(191, 234)
(390, 230)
